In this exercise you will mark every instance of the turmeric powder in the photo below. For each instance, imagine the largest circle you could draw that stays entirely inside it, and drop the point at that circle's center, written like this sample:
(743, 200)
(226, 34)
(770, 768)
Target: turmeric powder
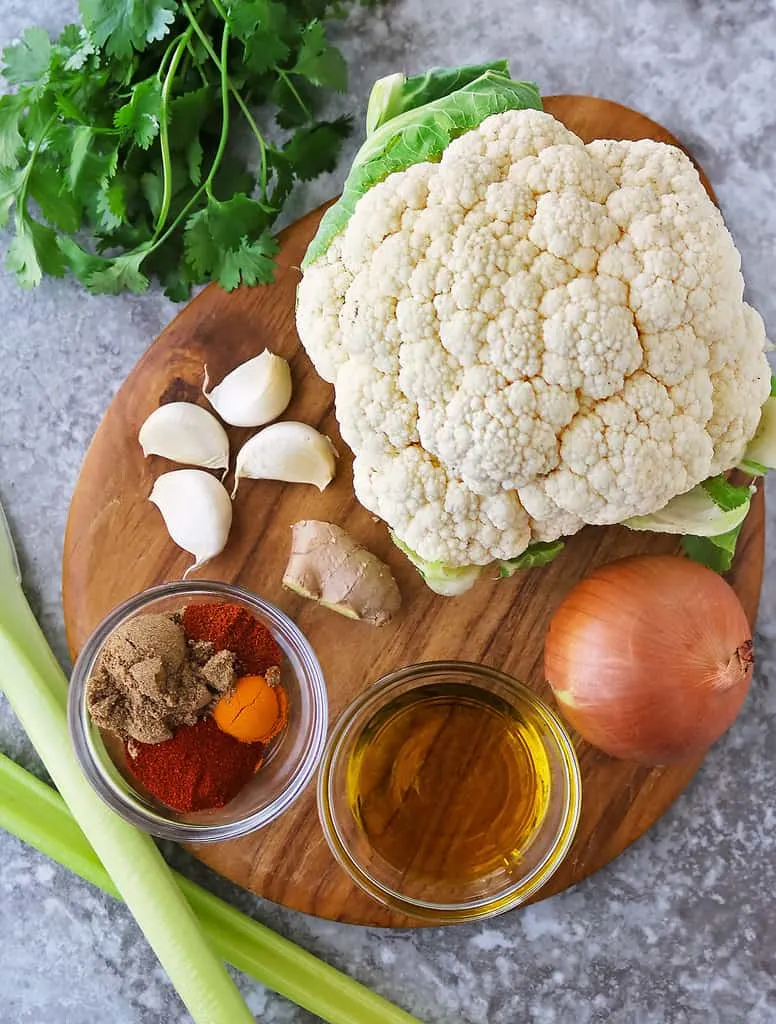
(256, 710)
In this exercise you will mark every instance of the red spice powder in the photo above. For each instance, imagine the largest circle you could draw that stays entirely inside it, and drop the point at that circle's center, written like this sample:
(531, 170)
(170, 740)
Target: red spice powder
(198, 769)
(231, 628)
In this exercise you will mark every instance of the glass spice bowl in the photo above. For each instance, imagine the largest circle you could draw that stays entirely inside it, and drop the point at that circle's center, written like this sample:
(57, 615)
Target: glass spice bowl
(449, 792)
(290, 760)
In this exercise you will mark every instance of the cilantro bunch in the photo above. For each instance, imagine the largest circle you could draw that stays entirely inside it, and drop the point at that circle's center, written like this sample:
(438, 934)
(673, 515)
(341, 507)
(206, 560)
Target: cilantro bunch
(117, 154)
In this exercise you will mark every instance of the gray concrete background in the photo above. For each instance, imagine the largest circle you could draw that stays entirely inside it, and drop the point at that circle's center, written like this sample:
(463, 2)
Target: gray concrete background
(682, 927)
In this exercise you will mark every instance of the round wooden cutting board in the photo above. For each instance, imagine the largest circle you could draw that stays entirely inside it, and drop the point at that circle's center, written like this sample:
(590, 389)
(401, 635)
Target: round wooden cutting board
(116, 546)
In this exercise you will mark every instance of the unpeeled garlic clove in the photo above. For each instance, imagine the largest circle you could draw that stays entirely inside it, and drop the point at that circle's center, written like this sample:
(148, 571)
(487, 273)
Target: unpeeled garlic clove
(253, 393)
(289, 451)
(186, 433)
(196, 510)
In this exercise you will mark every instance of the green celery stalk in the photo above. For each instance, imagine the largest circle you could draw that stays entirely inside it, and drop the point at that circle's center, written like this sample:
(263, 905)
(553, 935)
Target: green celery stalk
(37, 814)
(17, 619)
(34, 687)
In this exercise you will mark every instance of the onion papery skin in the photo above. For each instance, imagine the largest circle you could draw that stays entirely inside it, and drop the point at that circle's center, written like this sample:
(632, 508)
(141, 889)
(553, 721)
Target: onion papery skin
(650, 658)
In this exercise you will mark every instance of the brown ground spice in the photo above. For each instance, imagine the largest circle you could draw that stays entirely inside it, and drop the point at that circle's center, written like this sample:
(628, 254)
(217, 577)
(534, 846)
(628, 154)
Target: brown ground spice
(149, 680)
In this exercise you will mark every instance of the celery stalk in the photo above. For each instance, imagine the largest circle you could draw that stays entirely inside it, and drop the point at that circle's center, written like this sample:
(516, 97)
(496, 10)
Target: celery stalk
(34, 685)
(17, 619)
(37, 814)
(36, 688)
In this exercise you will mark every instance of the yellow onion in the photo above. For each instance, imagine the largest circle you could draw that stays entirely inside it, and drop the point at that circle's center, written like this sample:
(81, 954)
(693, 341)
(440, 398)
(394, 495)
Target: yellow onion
(650, 658)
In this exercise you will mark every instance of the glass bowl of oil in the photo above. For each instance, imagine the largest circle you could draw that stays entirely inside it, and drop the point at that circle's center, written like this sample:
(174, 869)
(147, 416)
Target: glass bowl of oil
(449, 791)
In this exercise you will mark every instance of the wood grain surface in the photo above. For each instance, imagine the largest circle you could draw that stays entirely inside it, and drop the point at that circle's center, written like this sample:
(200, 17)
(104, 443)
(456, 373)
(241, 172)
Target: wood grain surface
(116, 546)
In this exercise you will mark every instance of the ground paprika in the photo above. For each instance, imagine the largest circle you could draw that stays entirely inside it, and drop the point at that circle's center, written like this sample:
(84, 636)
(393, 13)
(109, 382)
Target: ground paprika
(200, 768)
(230, 627)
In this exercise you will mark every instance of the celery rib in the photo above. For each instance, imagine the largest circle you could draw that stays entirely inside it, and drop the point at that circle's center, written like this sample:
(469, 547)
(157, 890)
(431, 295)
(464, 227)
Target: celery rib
(189, 929)
(37, 815)
(34, 690)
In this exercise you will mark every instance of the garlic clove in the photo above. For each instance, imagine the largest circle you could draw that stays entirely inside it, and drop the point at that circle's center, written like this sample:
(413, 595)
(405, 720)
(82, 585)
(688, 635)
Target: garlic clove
(289, 451)
(196, 510)
(186, 433)
(253, 393)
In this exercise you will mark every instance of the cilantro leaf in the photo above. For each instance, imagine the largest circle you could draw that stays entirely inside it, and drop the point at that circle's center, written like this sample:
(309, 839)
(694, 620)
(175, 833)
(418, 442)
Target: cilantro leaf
(105, 276)
(80, 262)
(10, 182)
(314, 148)
(319, 62)
(177, 284)
(121, 26)
(194, 156)
(89, 151)
(11, 141)
(293, 102)
(232, 178)
(264, 51)
(27, 62)
(152, 188)
(250, 263)
(202, 252)
(247, 17)
(75, 47)
(81, 144)
(187, 115)
(93, 161)
(119, 274)
(111, 205)
(33, 251)
(263, 26)
(61, 209)
(230, 240)
(139, 118)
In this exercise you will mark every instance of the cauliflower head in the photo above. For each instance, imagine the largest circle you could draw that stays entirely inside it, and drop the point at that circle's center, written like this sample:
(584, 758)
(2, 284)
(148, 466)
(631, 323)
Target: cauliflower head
(532, 334)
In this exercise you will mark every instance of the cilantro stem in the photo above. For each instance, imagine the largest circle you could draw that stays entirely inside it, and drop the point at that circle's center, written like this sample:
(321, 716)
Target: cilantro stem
(197, 65)
(219, 8)
(181, 216)
(206, 186)
(164, 129)
(235, 93)
(294, 91)
(262, 144)
(21, 198)
(224, 112)
(166, 57)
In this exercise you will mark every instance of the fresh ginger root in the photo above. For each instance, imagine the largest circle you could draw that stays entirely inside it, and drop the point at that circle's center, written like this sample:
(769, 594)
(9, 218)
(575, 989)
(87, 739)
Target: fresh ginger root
(329, 567)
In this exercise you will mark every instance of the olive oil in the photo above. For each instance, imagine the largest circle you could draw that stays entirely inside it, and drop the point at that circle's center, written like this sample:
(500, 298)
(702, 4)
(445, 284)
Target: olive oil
(448, 783)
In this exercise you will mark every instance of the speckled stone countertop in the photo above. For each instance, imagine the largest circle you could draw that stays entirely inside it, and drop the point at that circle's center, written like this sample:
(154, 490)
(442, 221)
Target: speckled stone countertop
(682, 927)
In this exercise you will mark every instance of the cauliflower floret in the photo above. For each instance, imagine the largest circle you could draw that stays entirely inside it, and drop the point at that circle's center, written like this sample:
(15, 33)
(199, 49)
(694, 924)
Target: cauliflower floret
(428, 375)
(642, 164)
(495, 435)
(566, 167)
(385, 214)
(632, 450)
(590, 340)
(573, 228)
(533, 334)
(548, 521)
(434, 514)
(374, 414)
(320, 297)
(673, 356)
(740, 388)
(488, 153)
